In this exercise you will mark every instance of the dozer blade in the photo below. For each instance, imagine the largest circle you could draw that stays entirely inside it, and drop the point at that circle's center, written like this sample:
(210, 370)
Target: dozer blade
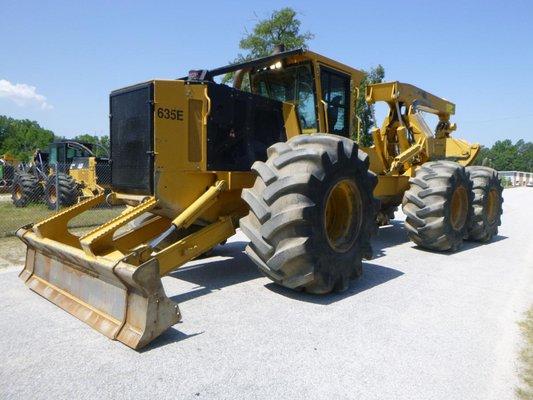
(124, 302)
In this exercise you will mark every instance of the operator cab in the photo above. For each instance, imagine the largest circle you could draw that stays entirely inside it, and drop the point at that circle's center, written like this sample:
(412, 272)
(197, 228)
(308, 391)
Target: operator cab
(64, 152)
(294, 84)
(323, 90)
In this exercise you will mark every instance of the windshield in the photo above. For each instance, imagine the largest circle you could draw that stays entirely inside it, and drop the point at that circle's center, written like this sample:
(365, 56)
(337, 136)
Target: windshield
(292, 85)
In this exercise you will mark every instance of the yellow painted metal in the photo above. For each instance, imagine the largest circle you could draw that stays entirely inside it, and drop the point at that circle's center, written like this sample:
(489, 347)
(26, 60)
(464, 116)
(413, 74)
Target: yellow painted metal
(180, 148)
(111, 280)
(194, 245)
(112, 293)
(199, 206)
(110, 277)
(404, 141)
(8, 158)
(292, 128)
(86, 177)
(407, 156)
(392, 92)
(56, 227)
(319, 62)
(459, 208)
(99, 241)
(343, 215)
(493, 202)
(123, 301)
(390, 188)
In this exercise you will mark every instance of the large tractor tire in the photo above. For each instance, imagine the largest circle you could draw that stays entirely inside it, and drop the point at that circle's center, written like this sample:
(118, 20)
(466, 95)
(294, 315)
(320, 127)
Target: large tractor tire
(438, 206)
(487, 203)
(66, 192)
(311, 213)
(25, 189)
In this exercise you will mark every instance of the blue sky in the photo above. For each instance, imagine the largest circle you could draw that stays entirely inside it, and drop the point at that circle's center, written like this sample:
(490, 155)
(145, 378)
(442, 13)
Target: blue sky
(60, 59)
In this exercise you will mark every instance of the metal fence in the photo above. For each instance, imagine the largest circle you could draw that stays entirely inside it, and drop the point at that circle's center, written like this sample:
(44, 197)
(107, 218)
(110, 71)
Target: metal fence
(34, 192)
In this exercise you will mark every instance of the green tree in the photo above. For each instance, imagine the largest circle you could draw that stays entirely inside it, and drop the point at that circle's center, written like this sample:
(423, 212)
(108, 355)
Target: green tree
(22, 137)
(524, 160)
(483, 157)
(506, 156)
(282, 27)
(365, 111)
(101, 148)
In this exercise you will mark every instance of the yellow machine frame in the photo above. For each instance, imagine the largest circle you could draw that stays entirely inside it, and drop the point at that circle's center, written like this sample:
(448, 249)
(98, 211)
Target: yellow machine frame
(87, 178)
(199, 208)
(405, 141)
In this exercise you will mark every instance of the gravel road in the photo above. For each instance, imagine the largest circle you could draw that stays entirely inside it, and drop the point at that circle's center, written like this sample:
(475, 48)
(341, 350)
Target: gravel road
(418, 325)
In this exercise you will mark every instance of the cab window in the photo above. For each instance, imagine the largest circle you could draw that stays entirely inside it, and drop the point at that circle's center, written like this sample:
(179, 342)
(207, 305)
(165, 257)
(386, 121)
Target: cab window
(336, 95)
(72, 152)
(292, 84)
(52, 159)
(61, 154)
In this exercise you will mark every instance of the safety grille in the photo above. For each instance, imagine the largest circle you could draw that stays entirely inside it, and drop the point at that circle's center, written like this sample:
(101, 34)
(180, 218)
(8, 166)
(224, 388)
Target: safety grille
(240, 128)
(131, 121)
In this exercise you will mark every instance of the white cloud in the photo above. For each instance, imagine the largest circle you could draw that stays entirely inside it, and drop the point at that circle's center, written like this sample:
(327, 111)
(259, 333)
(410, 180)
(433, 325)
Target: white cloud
(22, 94)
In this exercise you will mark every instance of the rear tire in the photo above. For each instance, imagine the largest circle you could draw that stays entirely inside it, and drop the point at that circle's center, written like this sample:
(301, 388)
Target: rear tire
(438, 206)
(311, 213)
(67, 191)
(487, 203)
(25, 189)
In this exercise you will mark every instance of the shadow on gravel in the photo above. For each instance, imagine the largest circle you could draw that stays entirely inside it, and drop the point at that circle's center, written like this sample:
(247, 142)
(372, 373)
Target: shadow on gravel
(215, 275)
(467, 245)
(171, 335)
(373, 275)
(388, 236)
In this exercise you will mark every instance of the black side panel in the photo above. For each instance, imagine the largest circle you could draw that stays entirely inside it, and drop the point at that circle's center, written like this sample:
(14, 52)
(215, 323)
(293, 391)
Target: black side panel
(103, 171)
(241, 127)
(132, 139)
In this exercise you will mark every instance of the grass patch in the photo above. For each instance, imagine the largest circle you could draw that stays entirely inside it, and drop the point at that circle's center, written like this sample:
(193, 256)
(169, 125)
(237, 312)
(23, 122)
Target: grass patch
(525, 391)
(12, 218)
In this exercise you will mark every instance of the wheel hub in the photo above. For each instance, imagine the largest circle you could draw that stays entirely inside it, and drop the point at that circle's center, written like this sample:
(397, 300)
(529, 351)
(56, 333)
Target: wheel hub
(492, 205)
(343, 215)
(18, 192)
(459, 208)
(52, 195)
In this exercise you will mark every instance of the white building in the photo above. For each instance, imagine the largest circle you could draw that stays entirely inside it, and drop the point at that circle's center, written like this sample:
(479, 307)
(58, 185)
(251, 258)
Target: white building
(517, 178)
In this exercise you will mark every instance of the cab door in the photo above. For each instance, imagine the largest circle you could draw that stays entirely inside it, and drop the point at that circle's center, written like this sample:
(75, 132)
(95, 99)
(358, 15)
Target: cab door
(335, 101)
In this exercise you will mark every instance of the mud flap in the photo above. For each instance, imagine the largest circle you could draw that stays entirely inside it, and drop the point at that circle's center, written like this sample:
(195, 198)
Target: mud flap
(122, 301)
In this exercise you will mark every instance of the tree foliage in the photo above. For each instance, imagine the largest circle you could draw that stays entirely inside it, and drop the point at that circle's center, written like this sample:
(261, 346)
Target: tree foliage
(506, 156)
(365, 111)
(20, 138)
(101, 148)
(282, 27)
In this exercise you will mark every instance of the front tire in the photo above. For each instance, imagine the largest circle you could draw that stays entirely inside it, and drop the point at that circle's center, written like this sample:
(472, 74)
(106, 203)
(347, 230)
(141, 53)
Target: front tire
(311, 213)
(66, 193)
(487, 203)
(25, 189)
(438, 206)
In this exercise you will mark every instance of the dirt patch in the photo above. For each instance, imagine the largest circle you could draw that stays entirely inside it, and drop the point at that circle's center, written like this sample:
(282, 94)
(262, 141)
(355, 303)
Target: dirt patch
(12, 252)
(525, 391)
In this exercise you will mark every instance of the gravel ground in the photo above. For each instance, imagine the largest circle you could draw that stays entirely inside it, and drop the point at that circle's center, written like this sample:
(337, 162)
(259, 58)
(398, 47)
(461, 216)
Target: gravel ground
(418, 325)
